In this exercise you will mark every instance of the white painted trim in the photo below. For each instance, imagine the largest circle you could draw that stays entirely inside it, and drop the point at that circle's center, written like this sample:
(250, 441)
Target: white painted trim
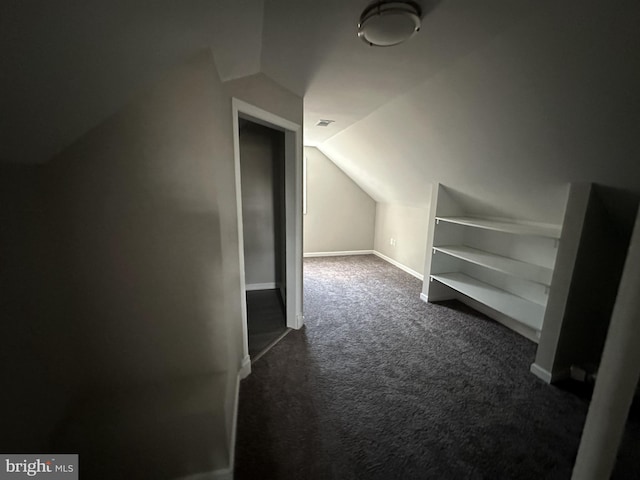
(234, 430)
(337, 254)
(245, 368)
(224, 473)
(293, 213)
(395, 263)
(238, 179)
(424, 298)
(293, 209)
(250, 287)
(263, 117)
(541, 373)
(546, 376)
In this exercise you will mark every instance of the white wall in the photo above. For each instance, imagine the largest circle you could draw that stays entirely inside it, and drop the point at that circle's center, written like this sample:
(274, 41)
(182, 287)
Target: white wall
(550, 101)
(546, 103)
(147, 204)
(340, 216)
(261, 91)
(150, 199)
(407, 226)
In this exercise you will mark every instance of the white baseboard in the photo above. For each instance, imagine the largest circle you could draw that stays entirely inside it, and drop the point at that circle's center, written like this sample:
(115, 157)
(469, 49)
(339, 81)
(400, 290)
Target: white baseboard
(423, 297)
(245, 368)
(234, 430)
(250, 287)
(546, 376)
(541, 373)
(395, 263)
(337, 254)
(224, 473)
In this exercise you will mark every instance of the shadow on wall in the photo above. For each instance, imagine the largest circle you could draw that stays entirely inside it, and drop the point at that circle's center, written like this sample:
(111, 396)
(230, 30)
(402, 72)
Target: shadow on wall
(142, 328)
(146, 288)
(38, 367)
(147, 316)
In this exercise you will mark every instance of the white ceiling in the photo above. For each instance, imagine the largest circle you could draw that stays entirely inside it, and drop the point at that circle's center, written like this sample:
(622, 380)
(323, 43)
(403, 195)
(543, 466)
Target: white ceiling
(67, 65)
(312, 49)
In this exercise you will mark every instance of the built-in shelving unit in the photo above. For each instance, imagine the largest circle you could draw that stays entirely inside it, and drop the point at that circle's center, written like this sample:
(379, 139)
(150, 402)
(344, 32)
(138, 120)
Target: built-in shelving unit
(539, 279)
(503, 267)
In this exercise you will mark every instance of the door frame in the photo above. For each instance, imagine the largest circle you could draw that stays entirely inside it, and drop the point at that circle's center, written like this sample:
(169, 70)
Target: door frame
(293, 214)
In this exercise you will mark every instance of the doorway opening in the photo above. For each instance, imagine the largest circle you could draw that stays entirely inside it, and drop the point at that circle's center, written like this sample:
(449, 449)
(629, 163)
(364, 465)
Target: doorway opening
(263, 223)
(268, 170)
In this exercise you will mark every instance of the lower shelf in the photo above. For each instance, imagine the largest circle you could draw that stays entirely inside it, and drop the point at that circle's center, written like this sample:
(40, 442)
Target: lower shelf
(524, 311)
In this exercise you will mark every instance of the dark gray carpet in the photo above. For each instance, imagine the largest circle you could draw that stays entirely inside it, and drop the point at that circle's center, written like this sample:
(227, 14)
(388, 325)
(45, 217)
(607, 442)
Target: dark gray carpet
(266, 319)
(380, 385)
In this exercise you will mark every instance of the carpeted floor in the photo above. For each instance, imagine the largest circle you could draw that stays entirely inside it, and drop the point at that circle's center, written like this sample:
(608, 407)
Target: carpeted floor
(380, 385)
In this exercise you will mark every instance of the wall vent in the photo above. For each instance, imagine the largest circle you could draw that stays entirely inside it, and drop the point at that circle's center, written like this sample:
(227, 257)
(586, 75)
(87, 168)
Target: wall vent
(324, 123)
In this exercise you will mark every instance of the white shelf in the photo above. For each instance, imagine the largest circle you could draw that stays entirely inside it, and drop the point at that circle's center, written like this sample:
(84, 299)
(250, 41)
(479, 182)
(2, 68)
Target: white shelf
(516, 268)
(529, 313)
(538, 230)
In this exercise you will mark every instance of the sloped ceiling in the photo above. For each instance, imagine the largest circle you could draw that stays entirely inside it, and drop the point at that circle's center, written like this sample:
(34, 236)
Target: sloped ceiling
(66, 65)
(510, 94)
(552, 100)
(312, 49)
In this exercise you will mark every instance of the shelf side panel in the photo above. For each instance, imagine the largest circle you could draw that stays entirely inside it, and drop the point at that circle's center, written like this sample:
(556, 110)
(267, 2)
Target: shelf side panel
(441, 203)
(573, 224)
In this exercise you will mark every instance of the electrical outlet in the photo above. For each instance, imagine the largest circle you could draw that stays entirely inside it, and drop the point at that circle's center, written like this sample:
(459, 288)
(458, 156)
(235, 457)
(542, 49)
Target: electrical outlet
(392, 242)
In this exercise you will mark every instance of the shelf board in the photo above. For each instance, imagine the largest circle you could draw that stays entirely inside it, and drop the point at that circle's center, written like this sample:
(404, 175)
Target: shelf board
(524, 311)
(538, 230)
(509, 266)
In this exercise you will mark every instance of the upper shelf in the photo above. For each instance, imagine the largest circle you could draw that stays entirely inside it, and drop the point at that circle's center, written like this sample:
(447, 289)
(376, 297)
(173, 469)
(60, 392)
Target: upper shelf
(538, 230)
(516, 268)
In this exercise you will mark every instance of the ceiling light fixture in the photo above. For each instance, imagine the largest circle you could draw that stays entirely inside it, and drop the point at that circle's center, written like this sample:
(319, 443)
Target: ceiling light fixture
(387, 23)
(324, 123)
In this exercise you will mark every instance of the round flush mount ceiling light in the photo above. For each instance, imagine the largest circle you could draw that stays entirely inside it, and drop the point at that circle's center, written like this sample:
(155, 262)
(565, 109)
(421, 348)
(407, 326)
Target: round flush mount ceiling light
(387, 23)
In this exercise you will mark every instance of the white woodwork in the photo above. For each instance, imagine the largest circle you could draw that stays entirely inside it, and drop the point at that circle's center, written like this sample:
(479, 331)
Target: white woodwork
(516, 228)
(506, 265)
(529, 313)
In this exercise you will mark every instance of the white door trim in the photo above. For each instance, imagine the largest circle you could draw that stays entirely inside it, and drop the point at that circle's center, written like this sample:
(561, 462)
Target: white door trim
(293, 210)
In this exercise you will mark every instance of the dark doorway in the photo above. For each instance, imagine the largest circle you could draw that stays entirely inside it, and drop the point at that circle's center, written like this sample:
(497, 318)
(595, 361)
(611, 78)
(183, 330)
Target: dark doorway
(263, 216)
